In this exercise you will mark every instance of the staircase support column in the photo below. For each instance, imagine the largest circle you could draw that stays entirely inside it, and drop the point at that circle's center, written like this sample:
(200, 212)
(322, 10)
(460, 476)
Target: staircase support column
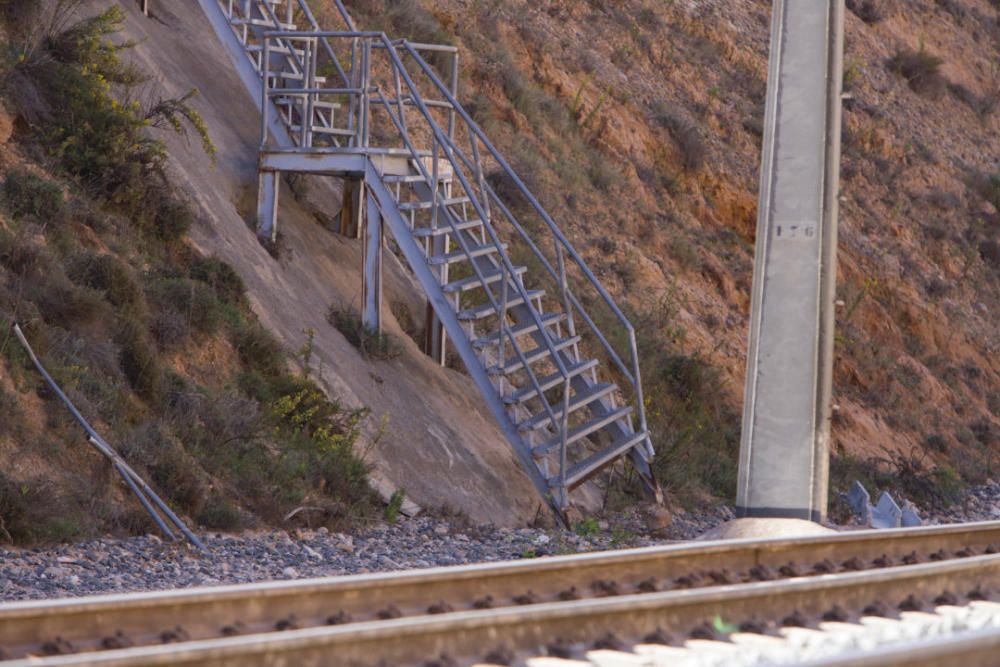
(371, 287)
(268, 183)
(435, 338)
(352, 210)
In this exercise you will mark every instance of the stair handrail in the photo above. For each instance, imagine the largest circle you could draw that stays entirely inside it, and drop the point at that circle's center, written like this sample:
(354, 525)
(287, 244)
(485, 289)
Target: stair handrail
(555, 357)
(445, 140)
(554, 229)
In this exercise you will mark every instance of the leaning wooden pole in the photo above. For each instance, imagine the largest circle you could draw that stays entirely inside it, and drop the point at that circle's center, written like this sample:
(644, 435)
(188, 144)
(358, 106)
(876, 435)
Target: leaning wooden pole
(784, 453)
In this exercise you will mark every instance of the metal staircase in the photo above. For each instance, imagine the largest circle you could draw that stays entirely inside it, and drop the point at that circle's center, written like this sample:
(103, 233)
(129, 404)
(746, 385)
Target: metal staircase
(516, 301)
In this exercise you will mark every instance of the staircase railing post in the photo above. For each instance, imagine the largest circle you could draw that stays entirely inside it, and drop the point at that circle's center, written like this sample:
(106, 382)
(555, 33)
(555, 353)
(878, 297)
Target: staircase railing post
(502, 347)
(454, 91)
(564, 290)
(312, 49)
(366, 51)
(265, 93)
(435, 338)
(564, 434)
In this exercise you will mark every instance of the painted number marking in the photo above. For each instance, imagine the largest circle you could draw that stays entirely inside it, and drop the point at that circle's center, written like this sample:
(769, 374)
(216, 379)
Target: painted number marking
(795, 230)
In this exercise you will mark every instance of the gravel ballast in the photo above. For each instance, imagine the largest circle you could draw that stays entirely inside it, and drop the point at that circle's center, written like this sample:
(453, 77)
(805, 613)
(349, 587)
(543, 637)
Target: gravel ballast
(148, 563)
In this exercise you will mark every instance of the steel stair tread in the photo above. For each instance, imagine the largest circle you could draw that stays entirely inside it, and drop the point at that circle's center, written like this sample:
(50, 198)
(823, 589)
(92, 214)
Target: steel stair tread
(582, 431)
(460, 255)
(581, 470)
(472, 282)
(577, 401)
(416, 178)
(444, 228)
(263, 23)
(532, 356)
(487, 309)
(549, 381)
(426, 205)
(548, 320)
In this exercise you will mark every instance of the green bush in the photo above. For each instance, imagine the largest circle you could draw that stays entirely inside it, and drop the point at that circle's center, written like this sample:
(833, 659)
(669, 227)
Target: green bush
(909, 476)
(140, 361)
(372, 344)
(31, 511)
(15, 505)
(394, 505)
(9, 410)
(220, 514)
(63, 304)
(869, 11)
(169, 328)
(990, 252)
(221, 277)
(65, 88)
(27, 195)
(21, 255)
(194, 300)
(173, 219)
(259, 350)
(695, 433)
(690, 145)
(180, 479)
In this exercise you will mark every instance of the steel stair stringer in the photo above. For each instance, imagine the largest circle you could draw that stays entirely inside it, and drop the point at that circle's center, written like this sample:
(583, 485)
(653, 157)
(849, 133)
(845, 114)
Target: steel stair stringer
(415, 257)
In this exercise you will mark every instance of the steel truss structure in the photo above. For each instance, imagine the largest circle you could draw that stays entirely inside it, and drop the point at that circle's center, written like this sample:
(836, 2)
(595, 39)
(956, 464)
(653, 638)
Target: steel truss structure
(552, 353)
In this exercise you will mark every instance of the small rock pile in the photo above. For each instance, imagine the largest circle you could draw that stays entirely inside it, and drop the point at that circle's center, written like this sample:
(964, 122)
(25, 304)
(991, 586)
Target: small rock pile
(982, 503)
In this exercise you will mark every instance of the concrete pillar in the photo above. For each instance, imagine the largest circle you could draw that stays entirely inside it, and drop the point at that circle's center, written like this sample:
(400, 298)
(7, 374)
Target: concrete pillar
(784, 454)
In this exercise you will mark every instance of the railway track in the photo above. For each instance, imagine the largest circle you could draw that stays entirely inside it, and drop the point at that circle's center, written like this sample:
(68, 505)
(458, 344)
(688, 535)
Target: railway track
(749, 584)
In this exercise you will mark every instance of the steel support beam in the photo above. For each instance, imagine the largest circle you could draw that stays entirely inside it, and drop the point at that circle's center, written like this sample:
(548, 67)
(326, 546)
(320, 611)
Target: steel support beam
(784, 451)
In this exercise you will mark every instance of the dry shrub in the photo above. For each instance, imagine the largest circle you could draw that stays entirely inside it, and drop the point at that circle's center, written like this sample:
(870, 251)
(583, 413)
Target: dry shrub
(869, 11)
(690, 145)
(922, 71)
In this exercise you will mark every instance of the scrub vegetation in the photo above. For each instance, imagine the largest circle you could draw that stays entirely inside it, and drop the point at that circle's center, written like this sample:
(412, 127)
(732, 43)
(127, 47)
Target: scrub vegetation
(155, 343)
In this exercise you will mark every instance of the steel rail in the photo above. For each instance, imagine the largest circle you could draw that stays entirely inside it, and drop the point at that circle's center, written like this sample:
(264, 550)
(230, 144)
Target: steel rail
(203, 613)
(469, 636)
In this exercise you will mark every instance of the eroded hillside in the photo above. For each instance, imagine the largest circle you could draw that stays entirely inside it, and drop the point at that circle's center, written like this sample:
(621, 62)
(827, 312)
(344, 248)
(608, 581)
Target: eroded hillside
(638, 125)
